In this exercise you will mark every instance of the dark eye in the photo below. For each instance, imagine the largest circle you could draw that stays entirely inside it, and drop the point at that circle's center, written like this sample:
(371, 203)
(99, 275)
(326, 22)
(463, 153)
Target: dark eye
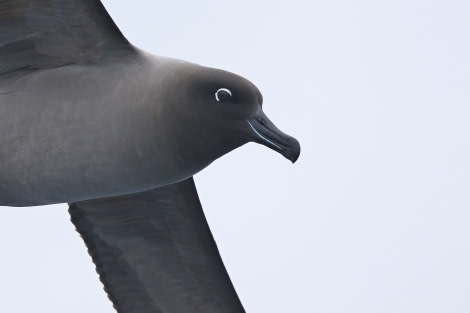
(223, 94)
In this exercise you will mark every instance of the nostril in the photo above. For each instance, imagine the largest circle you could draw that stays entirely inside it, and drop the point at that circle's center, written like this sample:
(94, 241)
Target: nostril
(260, 120)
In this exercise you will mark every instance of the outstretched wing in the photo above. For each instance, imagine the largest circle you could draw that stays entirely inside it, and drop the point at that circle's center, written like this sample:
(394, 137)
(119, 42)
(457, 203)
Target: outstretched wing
(37, 34)
(154, 252)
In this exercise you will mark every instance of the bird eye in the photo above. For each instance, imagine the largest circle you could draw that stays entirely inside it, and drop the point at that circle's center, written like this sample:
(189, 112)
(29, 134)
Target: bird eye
(223, 94)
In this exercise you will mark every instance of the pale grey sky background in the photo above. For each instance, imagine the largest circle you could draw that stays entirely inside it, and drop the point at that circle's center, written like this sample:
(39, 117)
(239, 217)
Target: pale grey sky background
(374, 217)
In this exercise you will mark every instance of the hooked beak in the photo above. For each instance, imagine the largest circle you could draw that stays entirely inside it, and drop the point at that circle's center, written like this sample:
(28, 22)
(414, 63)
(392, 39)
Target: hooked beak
(266, 133)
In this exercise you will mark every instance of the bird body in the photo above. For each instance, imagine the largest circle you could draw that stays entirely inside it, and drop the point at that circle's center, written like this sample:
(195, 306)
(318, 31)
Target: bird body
(102, 130)
(69, 142)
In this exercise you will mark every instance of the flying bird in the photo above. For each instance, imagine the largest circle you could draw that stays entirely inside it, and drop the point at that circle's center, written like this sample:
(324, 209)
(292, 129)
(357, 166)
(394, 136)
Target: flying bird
(90, 120)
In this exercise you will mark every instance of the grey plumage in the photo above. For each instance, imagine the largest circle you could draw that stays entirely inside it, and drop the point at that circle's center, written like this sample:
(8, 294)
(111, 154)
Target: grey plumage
(40, 34)
(88, 119)
(186, 273)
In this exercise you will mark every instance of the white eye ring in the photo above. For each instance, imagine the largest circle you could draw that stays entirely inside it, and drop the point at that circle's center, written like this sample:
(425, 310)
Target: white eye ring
(222, 89)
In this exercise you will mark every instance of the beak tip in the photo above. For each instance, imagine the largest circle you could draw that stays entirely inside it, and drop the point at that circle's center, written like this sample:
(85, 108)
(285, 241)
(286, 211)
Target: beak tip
(293, 152)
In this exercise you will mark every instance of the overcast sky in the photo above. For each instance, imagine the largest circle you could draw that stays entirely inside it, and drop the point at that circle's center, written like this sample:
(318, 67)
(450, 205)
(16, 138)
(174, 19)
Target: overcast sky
(375, 215)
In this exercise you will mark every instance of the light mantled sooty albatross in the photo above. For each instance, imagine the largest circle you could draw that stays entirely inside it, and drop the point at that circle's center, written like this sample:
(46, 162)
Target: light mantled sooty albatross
(89, 119)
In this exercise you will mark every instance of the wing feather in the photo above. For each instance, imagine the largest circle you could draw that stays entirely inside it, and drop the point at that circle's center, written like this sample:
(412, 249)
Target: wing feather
(154, 252)
(38, 34)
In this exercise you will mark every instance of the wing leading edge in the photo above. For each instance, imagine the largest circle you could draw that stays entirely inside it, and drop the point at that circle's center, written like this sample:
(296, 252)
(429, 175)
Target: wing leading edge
(154, 252)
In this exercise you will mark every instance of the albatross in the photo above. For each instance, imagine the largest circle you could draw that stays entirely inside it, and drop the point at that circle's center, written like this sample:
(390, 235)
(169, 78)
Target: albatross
(90, 120)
